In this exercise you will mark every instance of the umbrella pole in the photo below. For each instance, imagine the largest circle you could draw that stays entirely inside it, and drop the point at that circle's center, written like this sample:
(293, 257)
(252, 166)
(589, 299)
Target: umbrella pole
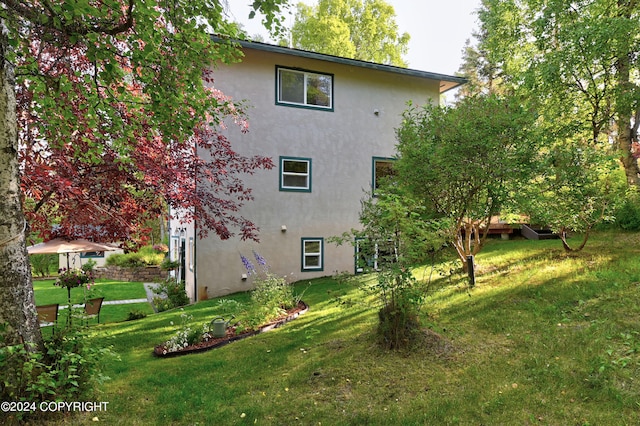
(69, 303)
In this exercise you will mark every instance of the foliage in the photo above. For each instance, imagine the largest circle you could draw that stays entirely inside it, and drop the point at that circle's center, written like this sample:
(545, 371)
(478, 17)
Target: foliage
(88, 266)
(74, 277)
(272, 295)
(269, 300)
(145, 256)
(464, 161)
(69, 369)
(110, 135)
(185, 336)
(576, 60)
(171, 294)
(109, 115)
(135, 315)
(44, 264)
(161, 248)
(396, 235)
(576, 188)
(169, 265)
(627, 212)
(359, 29)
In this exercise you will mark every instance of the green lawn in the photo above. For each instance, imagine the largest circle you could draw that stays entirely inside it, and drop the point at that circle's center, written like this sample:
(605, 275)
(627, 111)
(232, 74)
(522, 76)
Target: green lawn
(544, 338)
(46, 293)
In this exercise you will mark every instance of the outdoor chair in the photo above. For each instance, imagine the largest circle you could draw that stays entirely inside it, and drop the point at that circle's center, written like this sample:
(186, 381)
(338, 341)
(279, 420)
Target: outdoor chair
(92, 309)
(48, 315)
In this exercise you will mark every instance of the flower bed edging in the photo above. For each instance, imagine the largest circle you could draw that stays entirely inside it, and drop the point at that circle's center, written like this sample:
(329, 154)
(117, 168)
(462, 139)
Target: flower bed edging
(158, 350)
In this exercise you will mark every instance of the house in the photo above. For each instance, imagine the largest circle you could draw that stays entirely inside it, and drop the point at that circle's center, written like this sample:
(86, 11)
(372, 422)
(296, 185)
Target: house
(329, 125)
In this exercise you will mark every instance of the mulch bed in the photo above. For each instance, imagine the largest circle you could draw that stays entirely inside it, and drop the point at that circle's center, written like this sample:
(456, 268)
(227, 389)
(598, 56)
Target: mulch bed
(231, 336)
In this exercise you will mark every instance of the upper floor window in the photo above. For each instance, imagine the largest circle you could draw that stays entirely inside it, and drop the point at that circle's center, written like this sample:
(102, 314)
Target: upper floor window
(295, 174)
(304, 88)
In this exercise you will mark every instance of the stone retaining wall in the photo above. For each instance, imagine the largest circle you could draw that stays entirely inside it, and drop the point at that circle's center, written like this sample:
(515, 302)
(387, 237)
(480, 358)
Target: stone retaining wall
(142, 274)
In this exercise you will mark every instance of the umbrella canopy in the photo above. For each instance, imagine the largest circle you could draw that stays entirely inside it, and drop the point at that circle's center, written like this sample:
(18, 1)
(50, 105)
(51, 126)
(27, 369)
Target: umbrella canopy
(61, 246)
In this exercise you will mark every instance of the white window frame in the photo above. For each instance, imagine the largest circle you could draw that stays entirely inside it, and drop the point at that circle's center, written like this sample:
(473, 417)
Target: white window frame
(307, 174)
(319, 255)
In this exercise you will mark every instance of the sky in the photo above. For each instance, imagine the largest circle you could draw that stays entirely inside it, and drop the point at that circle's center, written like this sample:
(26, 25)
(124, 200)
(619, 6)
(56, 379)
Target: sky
(438, 29)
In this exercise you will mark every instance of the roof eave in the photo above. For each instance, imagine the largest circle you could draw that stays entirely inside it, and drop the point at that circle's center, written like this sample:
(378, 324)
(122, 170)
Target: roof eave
(446, 82)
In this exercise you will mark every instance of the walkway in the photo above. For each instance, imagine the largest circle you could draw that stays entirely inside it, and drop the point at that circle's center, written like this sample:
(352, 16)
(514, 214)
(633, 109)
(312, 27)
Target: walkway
(148, 287)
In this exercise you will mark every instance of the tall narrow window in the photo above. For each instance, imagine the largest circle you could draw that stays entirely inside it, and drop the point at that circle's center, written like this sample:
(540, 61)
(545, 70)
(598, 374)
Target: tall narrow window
(192, 253)
(304, 88)
(312, 254)
(295, 174)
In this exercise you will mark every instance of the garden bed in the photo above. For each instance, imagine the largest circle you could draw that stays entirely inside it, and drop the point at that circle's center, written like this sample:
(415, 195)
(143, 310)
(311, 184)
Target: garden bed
(231, 336)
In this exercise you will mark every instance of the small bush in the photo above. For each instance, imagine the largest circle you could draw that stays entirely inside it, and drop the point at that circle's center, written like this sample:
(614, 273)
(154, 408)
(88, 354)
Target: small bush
(135, 315)
(272, 295)
(171, 294)
(627, 214)
(89, 265)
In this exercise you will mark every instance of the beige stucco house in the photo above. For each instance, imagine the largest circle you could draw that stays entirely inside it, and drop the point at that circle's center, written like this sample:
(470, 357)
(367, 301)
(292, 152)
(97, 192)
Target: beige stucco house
(329, 125)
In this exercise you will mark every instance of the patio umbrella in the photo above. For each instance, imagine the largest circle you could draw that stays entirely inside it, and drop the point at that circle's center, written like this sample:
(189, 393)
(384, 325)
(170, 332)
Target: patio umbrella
(62, 246)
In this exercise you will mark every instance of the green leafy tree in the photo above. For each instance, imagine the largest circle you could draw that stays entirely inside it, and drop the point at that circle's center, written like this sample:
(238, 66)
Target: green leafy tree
(117, 78)
(576, 187)
(464, 161)
(577, 60)
(364, 30)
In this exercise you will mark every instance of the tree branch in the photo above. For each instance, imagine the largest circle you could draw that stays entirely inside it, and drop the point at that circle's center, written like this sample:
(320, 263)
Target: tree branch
(36, 16)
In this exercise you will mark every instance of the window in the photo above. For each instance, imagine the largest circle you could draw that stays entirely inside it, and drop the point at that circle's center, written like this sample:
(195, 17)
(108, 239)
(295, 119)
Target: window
(91, 254)
(192, 254)
(295, 174)
(374, 256)
(304, 88)
(382, 168)
(312, 254)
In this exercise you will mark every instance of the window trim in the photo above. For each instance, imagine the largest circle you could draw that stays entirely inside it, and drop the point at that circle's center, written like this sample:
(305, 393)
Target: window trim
(281, 174)
(304, 254)
(303, 105)
(375, 160)
(90, 255)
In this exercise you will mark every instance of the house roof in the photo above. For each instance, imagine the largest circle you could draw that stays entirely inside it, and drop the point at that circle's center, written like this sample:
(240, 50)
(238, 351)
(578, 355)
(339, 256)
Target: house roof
(447, 82)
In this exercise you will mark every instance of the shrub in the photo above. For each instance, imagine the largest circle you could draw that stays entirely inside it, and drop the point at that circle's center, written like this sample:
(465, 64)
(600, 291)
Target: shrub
(146, 256)
(171, 294)
(135, 315)
(272, 295)
(398, 317)
(396, 235)
(89, 265)
(68, 369)
(627, 214)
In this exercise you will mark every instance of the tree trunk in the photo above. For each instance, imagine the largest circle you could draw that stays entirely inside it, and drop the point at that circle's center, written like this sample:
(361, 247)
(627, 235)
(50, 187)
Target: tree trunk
(17, 305)
(629, 162)
(624, 111)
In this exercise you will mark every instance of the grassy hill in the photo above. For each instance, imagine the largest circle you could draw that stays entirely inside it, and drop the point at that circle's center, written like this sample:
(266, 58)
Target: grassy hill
(545, 337)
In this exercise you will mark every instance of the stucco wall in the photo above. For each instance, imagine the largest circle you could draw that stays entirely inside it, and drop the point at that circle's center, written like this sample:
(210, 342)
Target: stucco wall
(341, 144)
